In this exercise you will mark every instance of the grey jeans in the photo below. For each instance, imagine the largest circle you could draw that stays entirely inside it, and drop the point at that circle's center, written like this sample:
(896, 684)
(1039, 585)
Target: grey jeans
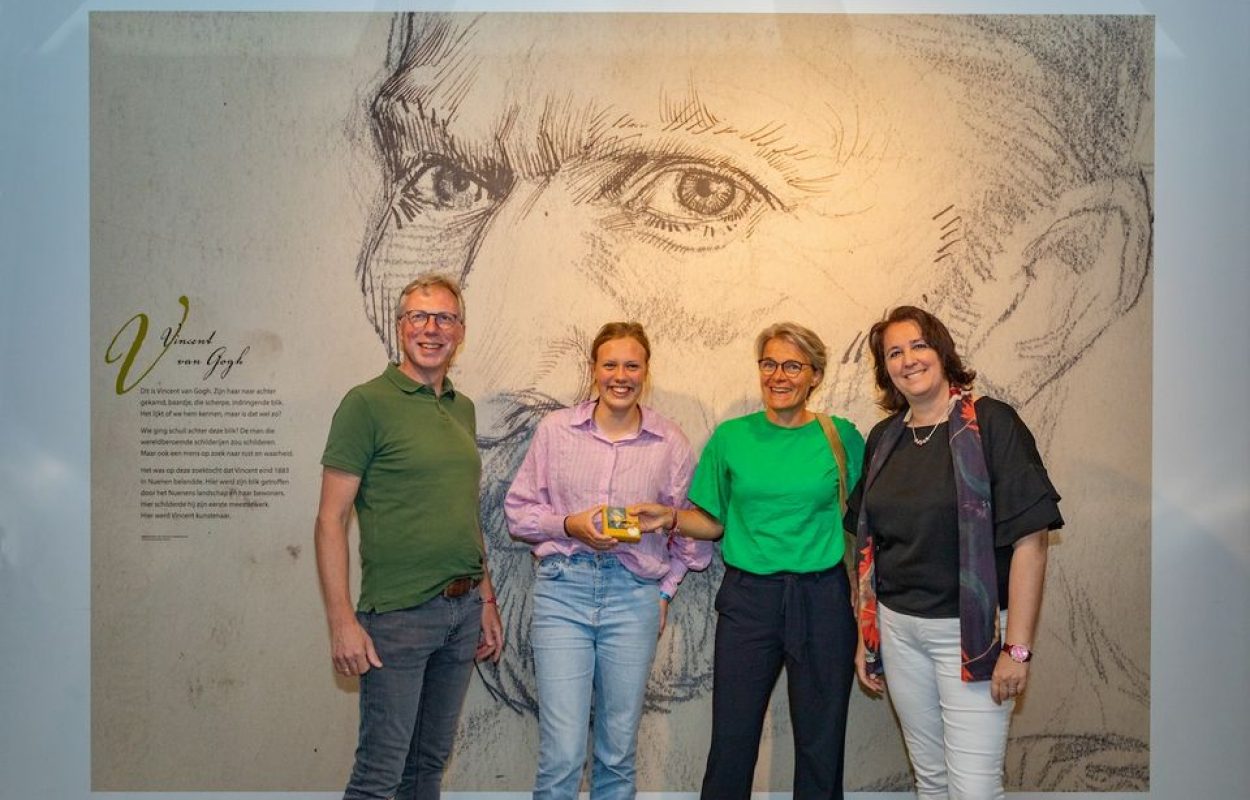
(410, 706)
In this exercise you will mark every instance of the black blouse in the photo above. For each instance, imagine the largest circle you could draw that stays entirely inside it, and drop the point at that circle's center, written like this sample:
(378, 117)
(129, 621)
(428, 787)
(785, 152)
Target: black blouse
(912, 514)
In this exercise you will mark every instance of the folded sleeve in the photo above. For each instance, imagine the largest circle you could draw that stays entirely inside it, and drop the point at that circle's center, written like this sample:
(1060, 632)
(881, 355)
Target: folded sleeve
(853, 444)
(709, 488)
(350, 445)
(1024, 498)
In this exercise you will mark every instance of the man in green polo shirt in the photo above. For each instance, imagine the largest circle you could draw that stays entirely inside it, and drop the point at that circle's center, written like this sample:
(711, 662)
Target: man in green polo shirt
(402, 452)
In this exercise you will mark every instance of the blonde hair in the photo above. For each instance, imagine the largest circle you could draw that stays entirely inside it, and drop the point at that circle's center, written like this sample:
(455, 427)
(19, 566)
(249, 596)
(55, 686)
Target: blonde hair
(805, 339)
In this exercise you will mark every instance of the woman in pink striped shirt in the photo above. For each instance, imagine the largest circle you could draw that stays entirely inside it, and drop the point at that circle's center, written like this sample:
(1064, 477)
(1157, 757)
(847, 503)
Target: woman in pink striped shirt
(599, 604)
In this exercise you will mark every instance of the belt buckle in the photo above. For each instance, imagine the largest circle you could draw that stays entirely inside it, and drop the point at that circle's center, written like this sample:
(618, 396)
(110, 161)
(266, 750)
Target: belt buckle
(458, 587)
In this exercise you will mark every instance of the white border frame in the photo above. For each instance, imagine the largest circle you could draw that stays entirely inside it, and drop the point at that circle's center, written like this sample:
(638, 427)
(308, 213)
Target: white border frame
(1200, 613)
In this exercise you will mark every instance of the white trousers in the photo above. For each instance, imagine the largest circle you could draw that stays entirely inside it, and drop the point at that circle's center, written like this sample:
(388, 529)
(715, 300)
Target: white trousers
(956, 736)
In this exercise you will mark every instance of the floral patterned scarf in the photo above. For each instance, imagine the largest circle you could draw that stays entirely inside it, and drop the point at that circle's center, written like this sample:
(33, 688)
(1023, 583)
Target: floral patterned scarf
(980, 638)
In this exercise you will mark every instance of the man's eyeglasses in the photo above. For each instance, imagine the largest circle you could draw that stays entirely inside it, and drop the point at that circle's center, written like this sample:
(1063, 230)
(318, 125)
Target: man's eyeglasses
(790, 368)
(443, 319)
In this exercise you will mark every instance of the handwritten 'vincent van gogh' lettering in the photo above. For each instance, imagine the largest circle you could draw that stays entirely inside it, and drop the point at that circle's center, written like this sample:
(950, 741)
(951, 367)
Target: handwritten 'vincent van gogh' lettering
(219, 360)
(140, 323)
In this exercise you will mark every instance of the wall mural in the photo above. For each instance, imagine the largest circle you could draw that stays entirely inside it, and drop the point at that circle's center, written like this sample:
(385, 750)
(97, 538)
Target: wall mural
(705, 175)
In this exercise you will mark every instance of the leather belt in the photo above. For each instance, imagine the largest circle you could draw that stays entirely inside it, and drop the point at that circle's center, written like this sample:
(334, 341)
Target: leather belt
(460, 586)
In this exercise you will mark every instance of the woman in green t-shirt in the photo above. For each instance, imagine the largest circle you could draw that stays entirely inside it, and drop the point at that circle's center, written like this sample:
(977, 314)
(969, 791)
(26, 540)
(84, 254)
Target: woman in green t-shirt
(768, 483)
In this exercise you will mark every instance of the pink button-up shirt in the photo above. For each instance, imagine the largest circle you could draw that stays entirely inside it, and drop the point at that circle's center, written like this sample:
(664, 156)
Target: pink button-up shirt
(571, 467)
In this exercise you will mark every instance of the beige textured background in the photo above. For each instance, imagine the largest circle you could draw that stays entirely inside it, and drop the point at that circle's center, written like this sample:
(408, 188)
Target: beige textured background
(232, 161)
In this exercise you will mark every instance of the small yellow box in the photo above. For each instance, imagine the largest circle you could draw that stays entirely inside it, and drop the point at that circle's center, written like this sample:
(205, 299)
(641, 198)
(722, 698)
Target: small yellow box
(620, 525)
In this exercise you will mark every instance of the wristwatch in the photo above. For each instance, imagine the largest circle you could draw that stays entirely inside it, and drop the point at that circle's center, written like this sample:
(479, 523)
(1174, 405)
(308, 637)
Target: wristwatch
(1018, 653)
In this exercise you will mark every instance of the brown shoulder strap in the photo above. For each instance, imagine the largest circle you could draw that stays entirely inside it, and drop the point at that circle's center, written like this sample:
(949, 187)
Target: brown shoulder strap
(839, 456)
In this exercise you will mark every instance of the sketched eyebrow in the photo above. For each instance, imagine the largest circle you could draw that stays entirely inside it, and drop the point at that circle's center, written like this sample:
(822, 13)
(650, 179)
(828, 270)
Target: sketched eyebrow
(952, 226)
(413, 131)
(692, 115)
(412, 134)
(768, 141)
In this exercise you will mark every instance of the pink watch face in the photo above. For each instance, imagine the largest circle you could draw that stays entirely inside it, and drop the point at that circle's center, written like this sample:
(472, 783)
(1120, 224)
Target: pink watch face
(1018, 652)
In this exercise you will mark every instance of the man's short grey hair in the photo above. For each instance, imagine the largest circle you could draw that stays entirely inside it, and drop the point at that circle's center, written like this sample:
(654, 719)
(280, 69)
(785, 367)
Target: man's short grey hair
(431, 280)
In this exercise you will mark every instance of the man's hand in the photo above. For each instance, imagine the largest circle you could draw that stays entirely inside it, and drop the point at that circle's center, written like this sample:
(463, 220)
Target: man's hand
(351, 649)
(581, 526)
(490, 646)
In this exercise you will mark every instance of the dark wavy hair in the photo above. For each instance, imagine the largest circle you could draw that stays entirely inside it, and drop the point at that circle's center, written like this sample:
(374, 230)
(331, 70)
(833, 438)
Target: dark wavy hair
(935, 334)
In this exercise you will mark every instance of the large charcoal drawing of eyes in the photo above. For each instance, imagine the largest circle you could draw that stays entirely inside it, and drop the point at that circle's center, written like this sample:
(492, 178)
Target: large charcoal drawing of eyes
(693, 204)
(438, 185)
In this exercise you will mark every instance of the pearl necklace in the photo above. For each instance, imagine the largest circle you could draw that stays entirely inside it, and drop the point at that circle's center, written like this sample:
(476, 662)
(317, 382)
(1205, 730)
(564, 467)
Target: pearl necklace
(922, 442)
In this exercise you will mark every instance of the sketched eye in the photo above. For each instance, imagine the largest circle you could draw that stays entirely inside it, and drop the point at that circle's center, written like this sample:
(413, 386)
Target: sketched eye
(688, 194)
(453, 188)
(692, 204)
(439, 185)
(706, 194)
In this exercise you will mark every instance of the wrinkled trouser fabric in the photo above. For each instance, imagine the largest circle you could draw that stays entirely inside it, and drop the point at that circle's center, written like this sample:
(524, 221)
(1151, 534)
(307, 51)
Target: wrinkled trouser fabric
(804, 623)
(956, 735)
(594, 634)
(410, 707)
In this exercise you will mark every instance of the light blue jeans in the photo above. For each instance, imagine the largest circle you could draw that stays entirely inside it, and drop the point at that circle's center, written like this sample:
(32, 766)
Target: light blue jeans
(410, 706)
(594, 633)
(956, 736)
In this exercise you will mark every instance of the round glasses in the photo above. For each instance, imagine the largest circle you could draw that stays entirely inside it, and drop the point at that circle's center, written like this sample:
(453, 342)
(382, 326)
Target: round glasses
(791, 369)
(443, 319)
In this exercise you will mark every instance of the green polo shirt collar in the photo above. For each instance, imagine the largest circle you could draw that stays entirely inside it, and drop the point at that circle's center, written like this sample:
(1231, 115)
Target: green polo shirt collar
(405, 384)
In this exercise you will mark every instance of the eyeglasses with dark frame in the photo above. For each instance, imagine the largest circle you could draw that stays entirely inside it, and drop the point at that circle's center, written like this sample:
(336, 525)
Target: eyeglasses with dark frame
(443, 319)
(791, 368)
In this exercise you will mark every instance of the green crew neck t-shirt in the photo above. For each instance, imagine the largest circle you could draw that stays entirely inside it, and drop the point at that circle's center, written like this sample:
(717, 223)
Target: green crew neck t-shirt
(775, 490)
(419, 471)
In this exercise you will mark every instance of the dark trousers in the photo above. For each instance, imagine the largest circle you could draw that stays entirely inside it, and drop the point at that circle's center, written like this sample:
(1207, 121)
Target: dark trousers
(804, 623)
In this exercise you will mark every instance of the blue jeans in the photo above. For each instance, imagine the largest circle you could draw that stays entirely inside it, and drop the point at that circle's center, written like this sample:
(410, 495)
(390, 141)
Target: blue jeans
(409, 708)
(594, 634)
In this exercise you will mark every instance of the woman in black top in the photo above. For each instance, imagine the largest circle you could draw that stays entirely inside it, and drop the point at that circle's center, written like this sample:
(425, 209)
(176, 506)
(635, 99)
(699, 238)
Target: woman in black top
(951, 518)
